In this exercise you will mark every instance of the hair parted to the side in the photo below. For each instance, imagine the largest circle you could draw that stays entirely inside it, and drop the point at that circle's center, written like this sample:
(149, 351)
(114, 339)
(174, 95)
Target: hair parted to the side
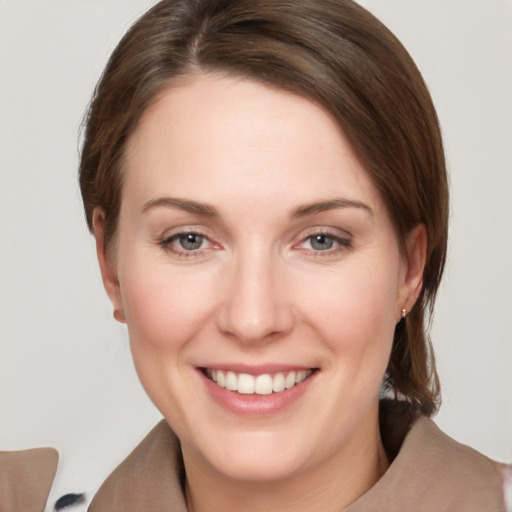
(333, 52)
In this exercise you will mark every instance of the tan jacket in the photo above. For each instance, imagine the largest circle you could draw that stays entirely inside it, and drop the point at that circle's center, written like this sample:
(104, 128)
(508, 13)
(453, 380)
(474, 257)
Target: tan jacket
(26, 478)
(430, 473)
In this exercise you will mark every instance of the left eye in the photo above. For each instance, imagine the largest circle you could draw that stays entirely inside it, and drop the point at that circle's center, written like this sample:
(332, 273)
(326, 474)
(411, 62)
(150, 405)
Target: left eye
(322, 242)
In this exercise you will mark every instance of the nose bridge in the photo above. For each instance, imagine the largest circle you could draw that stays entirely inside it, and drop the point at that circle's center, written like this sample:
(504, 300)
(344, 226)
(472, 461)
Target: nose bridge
(256, 305)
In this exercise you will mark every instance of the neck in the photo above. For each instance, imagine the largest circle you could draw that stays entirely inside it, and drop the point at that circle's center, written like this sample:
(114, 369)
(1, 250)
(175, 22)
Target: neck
(331, 486)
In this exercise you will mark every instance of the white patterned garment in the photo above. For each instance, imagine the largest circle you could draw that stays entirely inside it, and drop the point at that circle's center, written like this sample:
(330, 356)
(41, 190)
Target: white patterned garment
(73, 502)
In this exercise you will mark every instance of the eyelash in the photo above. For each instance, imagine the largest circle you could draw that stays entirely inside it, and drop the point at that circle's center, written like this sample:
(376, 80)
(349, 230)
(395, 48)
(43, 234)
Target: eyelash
(340, 244)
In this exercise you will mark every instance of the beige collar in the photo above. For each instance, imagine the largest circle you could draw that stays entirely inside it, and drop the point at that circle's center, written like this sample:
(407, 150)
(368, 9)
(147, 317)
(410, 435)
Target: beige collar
(434, 473)
(431, 473)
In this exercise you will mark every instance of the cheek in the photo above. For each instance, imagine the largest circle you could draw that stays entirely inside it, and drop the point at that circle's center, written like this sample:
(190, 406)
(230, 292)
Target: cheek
(354, 309)
(360, 329)
(164, 305)
(165, 309)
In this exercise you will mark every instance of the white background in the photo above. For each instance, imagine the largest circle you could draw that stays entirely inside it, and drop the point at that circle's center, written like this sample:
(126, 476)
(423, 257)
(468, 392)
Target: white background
(66, 378)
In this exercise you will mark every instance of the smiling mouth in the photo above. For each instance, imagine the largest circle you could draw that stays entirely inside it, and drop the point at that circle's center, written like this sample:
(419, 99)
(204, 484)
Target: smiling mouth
(264, 384)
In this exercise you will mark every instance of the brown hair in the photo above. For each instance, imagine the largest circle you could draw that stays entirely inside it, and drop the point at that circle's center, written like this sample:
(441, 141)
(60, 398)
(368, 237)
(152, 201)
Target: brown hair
(333, 52)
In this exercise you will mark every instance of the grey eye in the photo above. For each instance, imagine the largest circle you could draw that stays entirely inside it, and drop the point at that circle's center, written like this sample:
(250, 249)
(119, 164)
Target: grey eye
(322, 242)
(191, 241)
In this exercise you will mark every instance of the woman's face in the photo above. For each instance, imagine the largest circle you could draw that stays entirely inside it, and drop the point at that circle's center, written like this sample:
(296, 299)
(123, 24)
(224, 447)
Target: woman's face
(253, 250)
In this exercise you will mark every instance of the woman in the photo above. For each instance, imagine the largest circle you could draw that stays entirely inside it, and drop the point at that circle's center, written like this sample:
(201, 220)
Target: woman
(267, 189)
(266, 185)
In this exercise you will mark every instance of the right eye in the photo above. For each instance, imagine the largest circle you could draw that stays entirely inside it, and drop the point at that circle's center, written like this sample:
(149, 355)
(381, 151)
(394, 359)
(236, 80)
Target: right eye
(185, 244)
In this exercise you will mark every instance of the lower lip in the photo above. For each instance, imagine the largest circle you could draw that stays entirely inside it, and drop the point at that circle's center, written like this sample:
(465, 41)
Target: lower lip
(256, 405)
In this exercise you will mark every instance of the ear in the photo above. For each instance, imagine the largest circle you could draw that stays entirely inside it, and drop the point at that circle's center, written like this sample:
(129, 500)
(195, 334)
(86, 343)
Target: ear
(107, 265)
(414, 266)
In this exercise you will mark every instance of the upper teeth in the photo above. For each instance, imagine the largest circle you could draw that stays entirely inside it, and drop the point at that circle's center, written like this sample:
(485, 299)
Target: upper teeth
(264, 384)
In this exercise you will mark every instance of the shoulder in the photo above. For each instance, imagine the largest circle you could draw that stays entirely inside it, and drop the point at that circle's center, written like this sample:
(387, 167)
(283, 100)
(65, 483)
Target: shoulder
(427, 446)
(453, 474)
(26, 481)
(26, 478)
(430, 472)
(150, 478)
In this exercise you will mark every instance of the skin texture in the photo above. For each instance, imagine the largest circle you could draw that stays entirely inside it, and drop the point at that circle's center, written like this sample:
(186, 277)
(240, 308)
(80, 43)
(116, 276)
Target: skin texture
(259, 291)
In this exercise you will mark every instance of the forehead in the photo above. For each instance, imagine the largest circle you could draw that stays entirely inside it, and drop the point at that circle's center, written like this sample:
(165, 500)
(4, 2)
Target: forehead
(224, 138)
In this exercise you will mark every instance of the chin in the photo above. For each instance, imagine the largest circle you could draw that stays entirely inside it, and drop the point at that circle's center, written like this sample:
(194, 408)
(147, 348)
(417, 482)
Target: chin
(257, 456)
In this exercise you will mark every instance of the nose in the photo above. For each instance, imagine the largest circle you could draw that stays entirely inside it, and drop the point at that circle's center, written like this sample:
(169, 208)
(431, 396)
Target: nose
(257, 306)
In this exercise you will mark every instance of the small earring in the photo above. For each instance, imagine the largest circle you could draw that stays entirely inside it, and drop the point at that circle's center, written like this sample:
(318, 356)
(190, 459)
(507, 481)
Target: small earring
(404, 313)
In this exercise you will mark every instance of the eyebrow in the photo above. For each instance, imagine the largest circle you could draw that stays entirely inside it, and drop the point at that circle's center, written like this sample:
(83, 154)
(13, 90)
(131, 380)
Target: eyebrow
(201, 209)
(207, 210)
(330, 204)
